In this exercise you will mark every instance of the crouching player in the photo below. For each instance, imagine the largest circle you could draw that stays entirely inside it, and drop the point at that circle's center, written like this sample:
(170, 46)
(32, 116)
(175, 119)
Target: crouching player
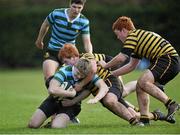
(51, 105)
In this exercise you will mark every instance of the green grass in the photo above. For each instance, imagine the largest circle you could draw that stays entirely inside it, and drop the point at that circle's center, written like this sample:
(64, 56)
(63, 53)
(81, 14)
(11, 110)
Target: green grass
(22, 91)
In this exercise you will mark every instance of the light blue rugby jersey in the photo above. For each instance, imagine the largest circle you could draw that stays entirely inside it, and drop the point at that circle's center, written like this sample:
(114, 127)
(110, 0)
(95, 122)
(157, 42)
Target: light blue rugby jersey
(65, 74)
(64, 31)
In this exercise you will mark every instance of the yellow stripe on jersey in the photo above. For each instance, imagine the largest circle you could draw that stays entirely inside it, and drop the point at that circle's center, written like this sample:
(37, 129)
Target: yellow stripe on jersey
(154, 44)
(99, 57)
(148, 44)
(154, 49)
(103, 74)
(129, 46)
(146, 47)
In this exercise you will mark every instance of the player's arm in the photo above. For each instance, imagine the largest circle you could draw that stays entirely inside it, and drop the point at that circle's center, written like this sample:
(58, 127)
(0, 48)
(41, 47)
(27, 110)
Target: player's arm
(56, 90)
(103, 89)
(42, 32)
(87, 43)
(84, 94)
(126, 68)
(78, 86)
(120, 58)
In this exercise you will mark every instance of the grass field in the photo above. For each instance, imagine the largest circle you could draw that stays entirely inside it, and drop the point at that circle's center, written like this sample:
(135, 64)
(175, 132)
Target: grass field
(22, 91)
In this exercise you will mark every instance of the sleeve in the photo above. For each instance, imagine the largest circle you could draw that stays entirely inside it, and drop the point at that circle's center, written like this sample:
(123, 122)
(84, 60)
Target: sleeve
(51, 17)
(130, 45)
(60, 76)
(95, 79)
(85, 29)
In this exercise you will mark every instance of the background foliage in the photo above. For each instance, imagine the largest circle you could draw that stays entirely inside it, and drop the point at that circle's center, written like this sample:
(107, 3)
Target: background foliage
(20, 21)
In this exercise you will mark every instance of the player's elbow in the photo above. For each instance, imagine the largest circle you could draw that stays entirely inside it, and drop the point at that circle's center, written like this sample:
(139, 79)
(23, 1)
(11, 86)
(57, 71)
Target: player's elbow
(51, 91)
(106, 89)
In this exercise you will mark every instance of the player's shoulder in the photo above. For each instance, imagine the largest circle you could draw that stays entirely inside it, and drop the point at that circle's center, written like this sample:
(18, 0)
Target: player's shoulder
(66, 68)
(84, 19)
(59, 11)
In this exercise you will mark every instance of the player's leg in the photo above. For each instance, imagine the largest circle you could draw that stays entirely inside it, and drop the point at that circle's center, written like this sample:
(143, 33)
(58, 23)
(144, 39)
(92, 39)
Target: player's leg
(49, 68)
(60, 121)
(129, 88)
(37, 119)
(111, 100)
(48, 107)
(65, 115)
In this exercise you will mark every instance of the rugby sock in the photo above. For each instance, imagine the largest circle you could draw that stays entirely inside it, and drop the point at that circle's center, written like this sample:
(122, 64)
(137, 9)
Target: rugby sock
(144, 119)
(155, 116)
(169, 102)
(133, 121)
(136, 109)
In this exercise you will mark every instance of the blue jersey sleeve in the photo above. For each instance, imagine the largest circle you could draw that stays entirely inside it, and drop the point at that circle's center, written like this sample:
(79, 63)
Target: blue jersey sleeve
(95, 79)
(50, 17)
(60, 75)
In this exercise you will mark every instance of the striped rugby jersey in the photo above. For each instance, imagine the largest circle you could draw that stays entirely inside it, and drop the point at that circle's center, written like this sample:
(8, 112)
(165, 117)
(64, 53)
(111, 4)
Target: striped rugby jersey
(65, 74)
(101, 72)
(64, 31)
(140, 43)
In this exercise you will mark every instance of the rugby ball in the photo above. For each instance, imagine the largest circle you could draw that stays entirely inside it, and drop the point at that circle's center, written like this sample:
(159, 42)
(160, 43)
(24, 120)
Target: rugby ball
(66, 86)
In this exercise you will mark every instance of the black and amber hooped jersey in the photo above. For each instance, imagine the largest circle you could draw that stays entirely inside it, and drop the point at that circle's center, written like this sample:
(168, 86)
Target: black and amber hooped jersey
(140, 43)
(101, 72)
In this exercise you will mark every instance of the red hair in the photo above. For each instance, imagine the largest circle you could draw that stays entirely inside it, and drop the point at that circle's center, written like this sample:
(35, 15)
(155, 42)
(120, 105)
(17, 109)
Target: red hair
(68, 51)
(123, 22)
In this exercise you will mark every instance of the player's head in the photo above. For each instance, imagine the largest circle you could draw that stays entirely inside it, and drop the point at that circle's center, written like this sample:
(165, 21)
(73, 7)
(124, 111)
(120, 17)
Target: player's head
(76, 6)
(82, 68)
(91, 57)
(81, 2)
(122, 26)
(68, 54)
(123, 22)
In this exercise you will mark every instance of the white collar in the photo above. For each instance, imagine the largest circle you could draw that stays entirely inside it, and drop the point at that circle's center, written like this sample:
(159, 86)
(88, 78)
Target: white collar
(67, 16)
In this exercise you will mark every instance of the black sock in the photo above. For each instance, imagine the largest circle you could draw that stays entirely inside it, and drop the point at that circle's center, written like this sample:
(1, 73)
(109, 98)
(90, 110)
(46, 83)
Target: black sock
(169, 102)
(133, 121)
(144, 119)
(155, 116)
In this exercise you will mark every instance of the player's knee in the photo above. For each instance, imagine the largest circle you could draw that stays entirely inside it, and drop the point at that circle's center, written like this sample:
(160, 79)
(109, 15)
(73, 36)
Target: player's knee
(57, 125)
(33, 124)
(141, 85)
(109, 102)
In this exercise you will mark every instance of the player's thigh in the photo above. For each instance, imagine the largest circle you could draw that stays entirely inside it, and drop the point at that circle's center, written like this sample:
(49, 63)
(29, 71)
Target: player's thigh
(146, 77)
(109, 98)
(60, 121)
(49, 68)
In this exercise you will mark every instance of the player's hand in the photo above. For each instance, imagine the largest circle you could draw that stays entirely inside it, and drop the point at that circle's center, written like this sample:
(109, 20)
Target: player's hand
(72, 92)
(67, 102)
(78, 87)
(39, 44)
(92, 101)
(102, 63)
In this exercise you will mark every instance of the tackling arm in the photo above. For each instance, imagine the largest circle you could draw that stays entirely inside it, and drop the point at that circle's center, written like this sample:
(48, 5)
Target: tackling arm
(120, 58)
(84, 94)
(103, 89)
(126, 68)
